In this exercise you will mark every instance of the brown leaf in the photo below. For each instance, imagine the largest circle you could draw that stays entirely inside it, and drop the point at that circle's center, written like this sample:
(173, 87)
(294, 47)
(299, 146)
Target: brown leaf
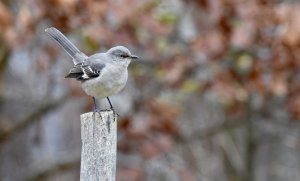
(288, 15)
(163, 117)
(6, 17)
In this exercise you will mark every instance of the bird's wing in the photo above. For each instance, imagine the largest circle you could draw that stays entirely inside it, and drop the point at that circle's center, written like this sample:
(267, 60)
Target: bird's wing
(86, 70)
(69, 47)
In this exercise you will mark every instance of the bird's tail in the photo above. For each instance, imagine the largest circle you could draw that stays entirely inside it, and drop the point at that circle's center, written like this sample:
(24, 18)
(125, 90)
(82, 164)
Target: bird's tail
(69, 47)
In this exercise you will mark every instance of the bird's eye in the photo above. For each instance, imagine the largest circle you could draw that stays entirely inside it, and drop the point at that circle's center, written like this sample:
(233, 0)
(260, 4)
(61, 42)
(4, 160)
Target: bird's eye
(124, 55)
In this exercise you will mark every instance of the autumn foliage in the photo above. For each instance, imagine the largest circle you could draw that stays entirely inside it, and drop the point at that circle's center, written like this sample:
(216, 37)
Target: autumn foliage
(241, 55)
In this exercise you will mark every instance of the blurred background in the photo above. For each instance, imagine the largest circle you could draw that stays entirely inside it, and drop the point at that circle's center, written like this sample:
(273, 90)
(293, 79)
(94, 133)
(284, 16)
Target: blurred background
(215, 97)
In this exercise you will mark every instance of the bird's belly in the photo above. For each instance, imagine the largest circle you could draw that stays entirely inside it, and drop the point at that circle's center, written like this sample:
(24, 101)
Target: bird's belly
(105, 85)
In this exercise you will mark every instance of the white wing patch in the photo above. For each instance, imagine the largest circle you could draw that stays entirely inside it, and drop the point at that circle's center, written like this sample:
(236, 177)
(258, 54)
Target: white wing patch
(85, 70)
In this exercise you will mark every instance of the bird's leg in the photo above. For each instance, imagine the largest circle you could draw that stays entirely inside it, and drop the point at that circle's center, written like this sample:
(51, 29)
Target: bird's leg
(95, 105)
(112, 108)
(96, 109)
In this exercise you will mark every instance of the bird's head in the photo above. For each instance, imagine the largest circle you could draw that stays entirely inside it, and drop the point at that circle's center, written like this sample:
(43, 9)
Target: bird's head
(121, 55)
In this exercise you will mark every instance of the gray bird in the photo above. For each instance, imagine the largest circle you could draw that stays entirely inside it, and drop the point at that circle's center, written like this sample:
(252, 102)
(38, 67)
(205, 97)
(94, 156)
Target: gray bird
(102, 74)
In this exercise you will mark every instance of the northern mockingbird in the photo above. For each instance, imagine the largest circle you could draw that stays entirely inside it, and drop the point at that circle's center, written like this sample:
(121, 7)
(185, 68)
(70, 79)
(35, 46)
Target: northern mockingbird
(102, 74)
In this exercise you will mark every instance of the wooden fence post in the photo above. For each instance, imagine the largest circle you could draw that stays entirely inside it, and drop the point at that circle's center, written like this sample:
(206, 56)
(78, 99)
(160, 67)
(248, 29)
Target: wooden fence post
(99, 146)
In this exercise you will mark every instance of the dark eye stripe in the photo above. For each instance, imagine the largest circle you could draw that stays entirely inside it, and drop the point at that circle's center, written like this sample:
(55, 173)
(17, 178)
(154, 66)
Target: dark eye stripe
(124, 56)
(120, 53)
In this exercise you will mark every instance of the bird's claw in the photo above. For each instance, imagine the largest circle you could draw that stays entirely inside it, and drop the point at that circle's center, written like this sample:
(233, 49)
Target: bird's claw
(106, 110)
(115, 113)
(97, 110)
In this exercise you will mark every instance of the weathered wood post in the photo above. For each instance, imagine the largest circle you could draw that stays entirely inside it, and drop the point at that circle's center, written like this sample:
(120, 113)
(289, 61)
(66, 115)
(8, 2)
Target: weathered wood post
(99, 146)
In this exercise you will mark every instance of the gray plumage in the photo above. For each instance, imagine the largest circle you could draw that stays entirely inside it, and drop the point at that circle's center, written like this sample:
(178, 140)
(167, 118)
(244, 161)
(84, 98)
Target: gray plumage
(86, 70)
(102, 74)
(70, 48)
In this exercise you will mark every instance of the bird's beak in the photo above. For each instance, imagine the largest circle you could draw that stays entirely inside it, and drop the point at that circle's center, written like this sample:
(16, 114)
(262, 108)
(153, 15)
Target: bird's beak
(134, 57)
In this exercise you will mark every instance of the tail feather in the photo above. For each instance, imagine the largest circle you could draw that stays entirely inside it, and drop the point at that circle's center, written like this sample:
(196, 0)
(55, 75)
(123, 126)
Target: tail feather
(69, 47)
(72, 75)
(77, 76)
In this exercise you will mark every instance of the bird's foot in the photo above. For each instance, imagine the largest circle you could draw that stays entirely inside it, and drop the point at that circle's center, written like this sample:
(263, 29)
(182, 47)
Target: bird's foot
(112, 108)
(101, 110)
(96, 111)
(115, 113)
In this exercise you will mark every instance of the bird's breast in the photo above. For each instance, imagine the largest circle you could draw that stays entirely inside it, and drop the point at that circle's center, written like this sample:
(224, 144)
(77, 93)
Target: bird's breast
(112, 80)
